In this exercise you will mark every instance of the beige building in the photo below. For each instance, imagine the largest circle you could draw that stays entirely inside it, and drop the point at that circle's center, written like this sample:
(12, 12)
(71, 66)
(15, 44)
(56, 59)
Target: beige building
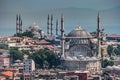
(80, 52)
(4, 61)
(29, 66)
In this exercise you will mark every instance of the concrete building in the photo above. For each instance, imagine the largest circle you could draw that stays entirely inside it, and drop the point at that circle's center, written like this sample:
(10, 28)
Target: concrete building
(4, 61)
(29, 66)
(114, 37)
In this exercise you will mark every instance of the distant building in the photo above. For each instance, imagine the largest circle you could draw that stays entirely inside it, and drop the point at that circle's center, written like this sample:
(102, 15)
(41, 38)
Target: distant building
(4, 52)
(2, 78)
(4, 58)
(29, 66)
(28, 76)
(79, 51)
(114, 71)
(114, 37)
(36, 31)
(10, 74)
(4, 61)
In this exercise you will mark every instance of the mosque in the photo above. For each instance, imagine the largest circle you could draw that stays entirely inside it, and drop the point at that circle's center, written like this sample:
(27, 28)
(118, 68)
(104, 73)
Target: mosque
(79, 52)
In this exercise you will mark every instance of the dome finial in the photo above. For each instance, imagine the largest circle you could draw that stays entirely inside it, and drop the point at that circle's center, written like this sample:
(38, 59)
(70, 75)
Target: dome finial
(78, 27)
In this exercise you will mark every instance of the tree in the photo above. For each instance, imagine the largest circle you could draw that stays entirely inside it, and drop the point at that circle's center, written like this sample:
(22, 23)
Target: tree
(18, 34)
(110, 50)
(15, 54)
(45, 64)
(117, 50)
(46, 56)
(106, 63)
(25, 52)
(3, 47)
(28, 34)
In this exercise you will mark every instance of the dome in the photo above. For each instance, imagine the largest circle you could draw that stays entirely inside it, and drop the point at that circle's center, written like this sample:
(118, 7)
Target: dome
(33, 27)
(80, 33)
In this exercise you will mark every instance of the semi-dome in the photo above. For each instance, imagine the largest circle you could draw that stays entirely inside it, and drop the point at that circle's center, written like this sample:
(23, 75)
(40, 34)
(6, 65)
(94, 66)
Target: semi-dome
(80, 33)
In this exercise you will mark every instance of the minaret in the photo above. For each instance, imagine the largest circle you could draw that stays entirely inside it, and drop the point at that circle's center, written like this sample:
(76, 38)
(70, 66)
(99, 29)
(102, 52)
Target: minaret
(17, 24)
(48, 25)
(57, 27)
(51, 24)
(99, 36)
(19, 18)
(62, 36)
(20, 24)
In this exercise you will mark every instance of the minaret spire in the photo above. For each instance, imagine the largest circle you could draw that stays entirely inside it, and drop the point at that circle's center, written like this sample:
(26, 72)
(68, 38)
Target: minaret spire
(51, 24)
(48, 25)
(99, 35)
(20, 24)
(57, 27)
(17, 24)
(62, 36)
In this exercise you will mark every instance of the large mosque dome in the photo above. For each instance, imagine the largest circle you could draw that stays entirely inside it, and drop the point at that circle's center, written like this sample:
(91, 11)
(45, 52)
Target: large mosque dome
(79, 33)
(79, 42)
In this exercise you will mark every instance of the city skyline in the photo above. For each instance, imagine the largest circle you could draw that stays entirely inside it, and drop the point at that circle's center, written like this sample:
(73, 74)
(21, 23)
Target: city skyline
(37, 11)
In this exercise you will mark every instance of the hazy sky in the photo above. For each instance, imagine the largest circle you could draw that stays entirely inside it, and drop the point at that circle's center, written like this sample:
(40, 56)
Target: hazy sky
(9, 9)
(36, 5)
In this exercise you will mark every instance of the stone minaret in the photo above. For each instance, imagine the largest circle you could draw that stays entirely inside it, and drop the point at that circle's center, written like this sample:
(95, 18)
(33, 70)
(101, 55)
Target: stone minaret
(57, 27)
(48, 25)
(99, 36)
(20, 24)
(62, 36)
(17, 24)
(51, 24)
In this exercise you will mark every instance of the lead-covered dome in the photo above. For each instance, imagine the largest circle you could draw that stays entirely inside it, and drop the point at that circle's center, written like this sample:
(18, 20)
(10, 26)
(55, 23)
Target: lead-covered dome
(80, 33)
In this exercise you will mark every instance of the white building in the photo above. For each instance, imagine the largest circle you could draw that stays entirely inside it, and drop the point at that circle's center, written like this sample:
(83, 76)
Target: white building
(29, 65)
(4, 61)
(4, 58)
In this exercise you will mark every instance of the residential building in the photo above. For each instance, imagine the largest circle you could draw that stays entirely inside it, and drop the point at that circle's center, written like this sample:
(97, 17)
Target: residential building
(29, 66)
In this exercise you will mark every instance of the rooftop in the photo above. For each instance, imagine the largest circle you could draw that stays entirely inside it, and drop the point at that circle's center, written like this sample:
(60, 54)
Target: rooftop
(80, 33)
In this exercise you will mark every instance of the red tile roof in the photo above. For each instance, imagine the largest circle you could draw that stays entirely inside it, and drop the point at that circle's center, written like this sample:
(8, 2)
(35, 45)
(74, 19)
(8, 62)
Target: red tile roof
(43, 42)
(114, 35)
(7, 73)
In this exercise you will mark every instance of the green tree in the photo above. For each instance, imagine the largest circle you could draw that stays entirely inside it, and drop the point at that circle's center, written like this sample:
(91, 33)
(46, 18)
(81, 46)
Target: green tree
(110, 50)
(42, 56)
(18, 34)
(106, 63)
(45, 64)
(15, 54)
(25, 52)
(117, 50)
(3, 47)
(28, 34)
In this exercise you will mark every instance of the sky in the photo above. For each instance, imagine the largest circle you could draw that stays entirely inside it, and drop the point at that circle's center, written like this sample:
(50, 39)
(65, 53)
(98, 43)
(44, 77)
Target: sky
(35, 5)
(32, 10)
